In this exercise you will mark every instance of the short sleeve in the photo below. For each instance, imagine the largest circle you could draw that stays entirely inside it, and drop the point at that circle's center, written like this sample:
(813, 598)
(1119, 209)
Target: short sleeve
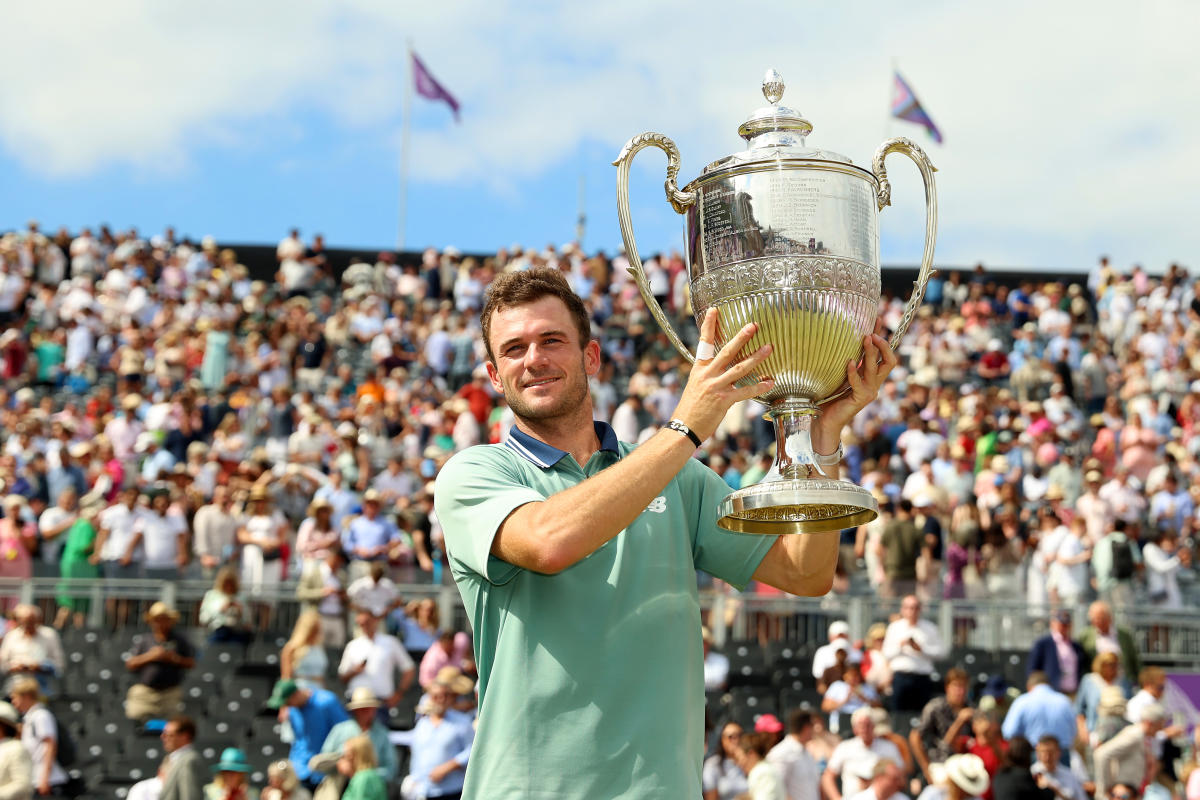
(403, 659)
(732, 557)
(477, 490)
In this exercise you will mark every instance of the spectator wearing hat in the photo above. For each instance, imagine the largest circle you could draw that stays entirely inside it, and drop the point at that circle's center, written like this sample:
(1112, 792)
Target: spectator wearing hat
(442, 739)
(183, 771)
(373, 658)
(369, 537)
(317, 533)
(312, 713)
(282, 784)
(945, 723)
(232, 779)
(1058, 656)
(31, 649)
(16, 766)
(160, 660)
(263, 536)
(1040, 711)
(911, 645)
(157, 461)
(960, 777)
(342, 499)
(449, 649)
(1124, 757)
(39, 735)
(826, 655)
(364, 712)
(863, 748)
(801, 776)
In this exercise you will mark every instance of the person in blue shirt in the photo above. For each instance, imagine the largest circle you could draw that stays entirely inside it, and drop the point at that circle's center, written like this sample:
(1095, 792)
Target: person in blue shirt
(369, 536)
(442, 739)
(312, 713)
(1041, 711)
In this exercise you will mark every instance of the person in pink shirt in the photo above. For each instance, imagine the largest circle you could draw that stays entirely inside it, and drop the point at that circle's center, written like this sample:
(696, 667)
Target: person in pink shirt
(450, 650)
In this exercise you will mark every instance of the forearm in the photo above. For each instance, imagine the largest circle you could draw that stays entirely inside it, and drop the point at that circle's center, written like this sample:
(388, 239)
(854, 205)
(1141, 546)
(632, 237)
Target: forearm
(572, 524)
(801, 565)
(830, 786)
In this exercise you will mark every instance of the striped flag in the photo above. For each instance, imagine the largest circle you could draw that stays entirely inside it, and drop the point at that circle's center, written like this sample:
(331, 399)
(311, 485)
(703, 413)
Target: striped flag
(906, 106)
(428, 87)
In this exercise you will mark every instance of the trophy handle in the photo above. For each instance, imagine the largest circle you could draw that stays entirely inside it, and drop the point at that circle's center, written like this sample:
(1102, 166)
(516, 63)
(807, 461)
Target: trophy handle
(679, 201)
(884, 198)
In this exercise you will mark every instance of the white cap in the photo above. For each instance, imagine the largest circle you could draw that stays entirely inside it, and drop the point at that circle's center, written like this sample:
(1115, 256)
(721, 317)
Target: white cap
(839, 628)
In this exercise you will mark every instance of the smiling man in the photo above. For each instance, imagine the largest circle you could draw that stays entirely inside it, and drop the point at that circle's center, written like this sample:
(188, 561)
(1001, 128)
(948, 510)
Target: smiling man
(576, 555)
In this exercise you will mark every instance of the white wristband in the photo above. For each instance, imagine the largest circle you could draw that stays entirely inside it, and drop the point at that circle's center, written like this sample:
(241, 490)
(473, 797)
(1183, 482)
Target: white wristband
(830, 460)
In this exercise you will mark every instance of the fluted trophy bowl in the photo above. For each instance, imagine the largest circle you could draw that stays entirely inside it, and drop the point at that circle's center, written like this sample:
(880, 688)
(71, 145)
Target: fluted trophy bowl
(786, 236)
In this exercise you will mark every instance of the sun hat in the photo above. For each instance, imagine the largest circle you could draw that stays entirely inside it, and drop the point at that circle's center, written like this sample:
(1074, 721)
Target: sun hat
(967, 772)
(363, 697)
(9, 716)
(232, 760)
(161, 609)
(453, 679)
(284, 689)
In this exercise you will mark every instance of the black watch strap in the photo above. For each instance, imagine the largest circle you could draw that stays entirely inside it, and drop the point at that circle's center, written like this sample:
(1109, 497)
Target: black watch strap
(676, 425)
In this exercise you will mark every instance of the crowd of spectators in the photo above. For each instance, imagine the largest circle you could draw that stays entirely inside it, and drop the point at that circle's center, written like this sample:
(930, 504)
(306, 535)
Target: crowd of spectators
(165, 415)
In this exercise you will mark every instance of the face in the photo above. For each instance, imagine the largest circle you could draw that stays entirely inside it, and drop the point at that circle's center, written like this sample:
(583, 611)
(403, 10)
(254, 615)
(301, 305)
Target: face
(364, 717)
(441, 698)
(956, 693)
(540, 365)
(1048, 753)
(729, 738)
(172, 739)
(22, 702)
(864, 728)
(910, 609)
(1108, 671)
(232, 780)
(981, 726)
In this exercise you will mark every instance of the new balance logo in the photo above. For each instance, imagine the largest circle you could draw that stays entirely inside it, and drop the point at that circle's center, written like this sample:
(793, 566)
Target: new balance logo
(658, 505)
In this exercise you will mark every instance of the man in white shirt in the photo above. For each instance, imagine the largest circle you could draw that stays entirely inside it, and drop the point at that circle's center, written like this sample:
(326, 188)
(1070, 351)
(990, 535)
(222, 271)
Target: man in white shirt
(911, 645)
(374, 592)
(372, 659)
(885, 781)
(31, 649)
(801, 778)
(119, 546)
(864, 747)
(826, 655)
(215, 526)
(716, 665)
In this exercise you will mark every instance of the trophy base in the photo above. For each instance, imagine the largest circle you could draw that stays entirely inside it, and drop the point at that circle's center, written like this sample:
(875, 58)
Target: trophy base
(797, 506)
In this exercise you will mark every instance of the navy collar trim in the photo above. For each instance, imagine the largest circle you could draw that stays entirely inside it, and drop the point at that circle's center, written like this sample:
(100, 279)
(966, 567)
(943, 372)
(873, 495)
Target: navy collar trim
(545, 455)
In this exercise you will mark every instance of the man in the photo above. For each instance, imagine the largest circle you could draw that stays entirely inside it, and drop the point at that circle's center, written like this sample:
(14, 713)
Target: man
(1057, 655)
(847, 695)
(1103, 636)
(312, 713)
(801, 777)
(863, 748)
(364, 707)
(39, 735)
(186, 772)
(1052, 774)
(1041, 711)
(561, 520)
(214, 529)
(1124, 757)
(369, 537)
(16, 767)
(885, 781)
(943, 720)
(911, 645)
(1153, 683)
(442, 739)
(826, 655)
(118, 547)
(372, 660)
(160, 659)
(322, 587)
(1115, 562)
(898, 548)
(374, 592)
(31, 649)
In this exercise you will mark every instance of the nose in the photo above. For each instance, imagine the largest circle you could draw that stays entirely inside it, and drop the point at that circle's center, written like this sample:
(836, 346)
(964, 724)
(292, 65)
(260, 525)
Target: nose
(535, 355)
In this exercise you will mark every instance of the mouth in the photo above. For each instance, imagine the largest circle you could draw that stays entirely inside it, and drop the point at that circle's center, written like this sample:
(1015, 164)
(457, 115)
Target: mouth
(540, 382)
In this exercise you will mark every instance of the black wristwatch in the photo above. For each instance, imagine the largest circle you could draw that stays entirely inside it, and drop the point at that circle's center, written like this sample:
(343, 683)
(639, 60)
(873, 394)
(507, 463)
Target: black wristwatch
(676, 425)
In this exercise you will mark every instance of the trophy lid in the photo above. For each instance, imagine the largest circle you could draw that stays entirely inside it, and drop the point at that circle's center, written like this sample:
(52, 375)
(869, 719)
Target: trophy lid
(775, 131)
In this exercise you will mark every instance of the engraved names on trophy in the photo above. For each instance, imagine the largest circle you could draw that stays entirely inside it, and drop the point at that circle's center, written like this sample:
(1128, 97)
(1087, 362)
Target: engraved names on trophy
(796, 201)
(863, 235)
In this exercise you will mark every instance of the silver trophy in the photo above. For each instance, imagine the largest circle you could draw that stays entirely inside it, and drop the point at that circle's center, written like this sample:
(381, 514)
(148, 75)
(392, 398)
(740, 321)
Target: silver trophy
(786, 236)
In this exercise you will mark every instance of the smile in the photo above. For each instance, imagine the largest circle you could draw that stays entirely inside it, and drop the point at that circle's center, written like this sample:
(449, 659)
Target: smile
(540, 382)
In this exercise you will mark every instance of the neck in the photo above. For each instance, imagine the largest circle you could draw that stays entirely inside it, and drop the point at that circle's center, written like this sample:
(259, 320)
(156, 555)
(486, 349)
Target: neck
(573, 433)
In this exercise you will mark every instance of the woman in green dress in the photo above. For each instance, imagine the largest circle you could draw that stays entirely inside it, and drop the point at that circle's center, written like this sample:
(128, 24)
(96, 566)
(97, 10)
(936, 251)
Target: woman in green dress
(78, 561)
(358, 764)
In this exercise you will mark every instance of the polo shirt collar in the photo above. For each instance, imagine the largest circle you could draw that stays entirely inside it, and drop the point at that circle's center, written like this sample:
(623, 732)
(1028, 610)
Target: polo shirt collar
(545, 455)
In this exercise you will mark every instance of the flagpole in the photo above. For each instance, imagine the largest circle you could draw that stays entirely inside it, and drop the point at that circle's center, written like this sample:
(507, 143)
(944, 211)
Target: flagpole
(581, 220)
(404, 138)
(887, 119)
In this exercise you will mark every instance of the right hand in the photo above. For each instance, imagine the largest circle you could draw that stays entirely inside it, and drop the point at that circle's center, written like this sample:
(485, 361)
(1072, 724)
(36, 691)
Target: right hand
(710, 389)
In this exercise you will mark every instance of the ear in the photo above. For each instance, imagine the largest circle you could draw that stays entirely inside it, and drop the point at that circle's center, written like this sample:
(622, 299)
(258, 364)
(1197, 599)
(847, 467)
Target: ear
(591, 358)
(494, 376)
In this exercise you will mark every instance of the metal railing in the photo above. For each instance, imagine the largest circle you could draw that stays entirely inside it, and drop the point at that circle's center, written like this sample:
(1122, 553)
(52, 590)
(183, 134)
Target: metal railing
(1164, 636)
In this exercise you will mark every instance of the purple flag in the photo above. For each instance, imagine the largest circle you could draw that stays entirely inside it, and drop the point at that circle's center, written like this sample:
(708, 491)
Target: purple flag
(906, 106)
(428, 87)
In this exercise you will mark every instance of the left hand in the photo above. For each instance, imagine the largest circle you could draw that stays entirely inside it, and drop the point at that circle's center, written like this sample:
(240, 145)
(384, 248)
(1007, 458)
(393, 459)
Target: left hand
(865, 380)
(439, 773)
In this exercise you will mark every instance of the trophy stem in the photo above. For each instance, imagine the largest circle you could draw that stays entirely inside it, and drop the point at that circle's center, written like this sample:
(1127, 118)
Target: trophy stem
(793, 419)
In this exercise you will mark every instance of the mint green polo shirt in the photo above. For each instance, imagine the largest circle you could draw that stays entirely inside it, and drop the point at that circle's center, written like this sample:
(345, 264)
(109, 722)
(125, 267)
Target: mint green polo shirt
(591, 681)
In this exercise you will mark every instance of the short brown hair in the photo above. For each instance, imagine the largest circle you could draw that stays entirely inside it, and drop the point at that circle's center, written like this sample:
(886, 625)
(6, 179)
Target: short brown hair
(520, 288)
(956, 675)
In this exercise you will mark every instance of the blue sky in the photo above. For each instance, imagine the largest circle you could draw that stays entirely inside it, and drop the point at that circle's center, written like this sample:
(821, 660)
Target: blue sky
(1067, 126)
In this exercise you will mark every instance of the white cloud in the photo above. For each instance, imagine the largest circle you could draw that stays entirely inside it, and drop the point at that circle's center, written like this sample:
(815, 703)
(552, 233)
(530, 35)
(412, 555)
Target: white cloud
(1067, 125)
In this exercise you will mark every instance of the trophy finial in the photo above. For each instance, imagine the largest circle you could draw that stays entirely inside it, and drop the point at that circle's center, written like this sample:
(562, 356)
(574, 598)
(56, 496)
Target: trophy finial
(772, 87)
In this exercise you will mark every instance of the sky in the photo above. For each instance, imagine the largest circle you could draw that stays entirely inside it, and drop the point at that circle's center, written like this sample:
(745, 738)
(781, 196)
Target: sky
(1068, 126)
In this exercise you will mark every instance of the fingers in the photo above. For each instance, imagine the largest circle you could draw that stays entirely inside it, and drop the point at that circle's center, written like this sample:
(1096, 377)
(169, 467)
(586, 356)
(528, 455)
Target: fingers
(734, 346)
(754, 390)
(744, 367)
